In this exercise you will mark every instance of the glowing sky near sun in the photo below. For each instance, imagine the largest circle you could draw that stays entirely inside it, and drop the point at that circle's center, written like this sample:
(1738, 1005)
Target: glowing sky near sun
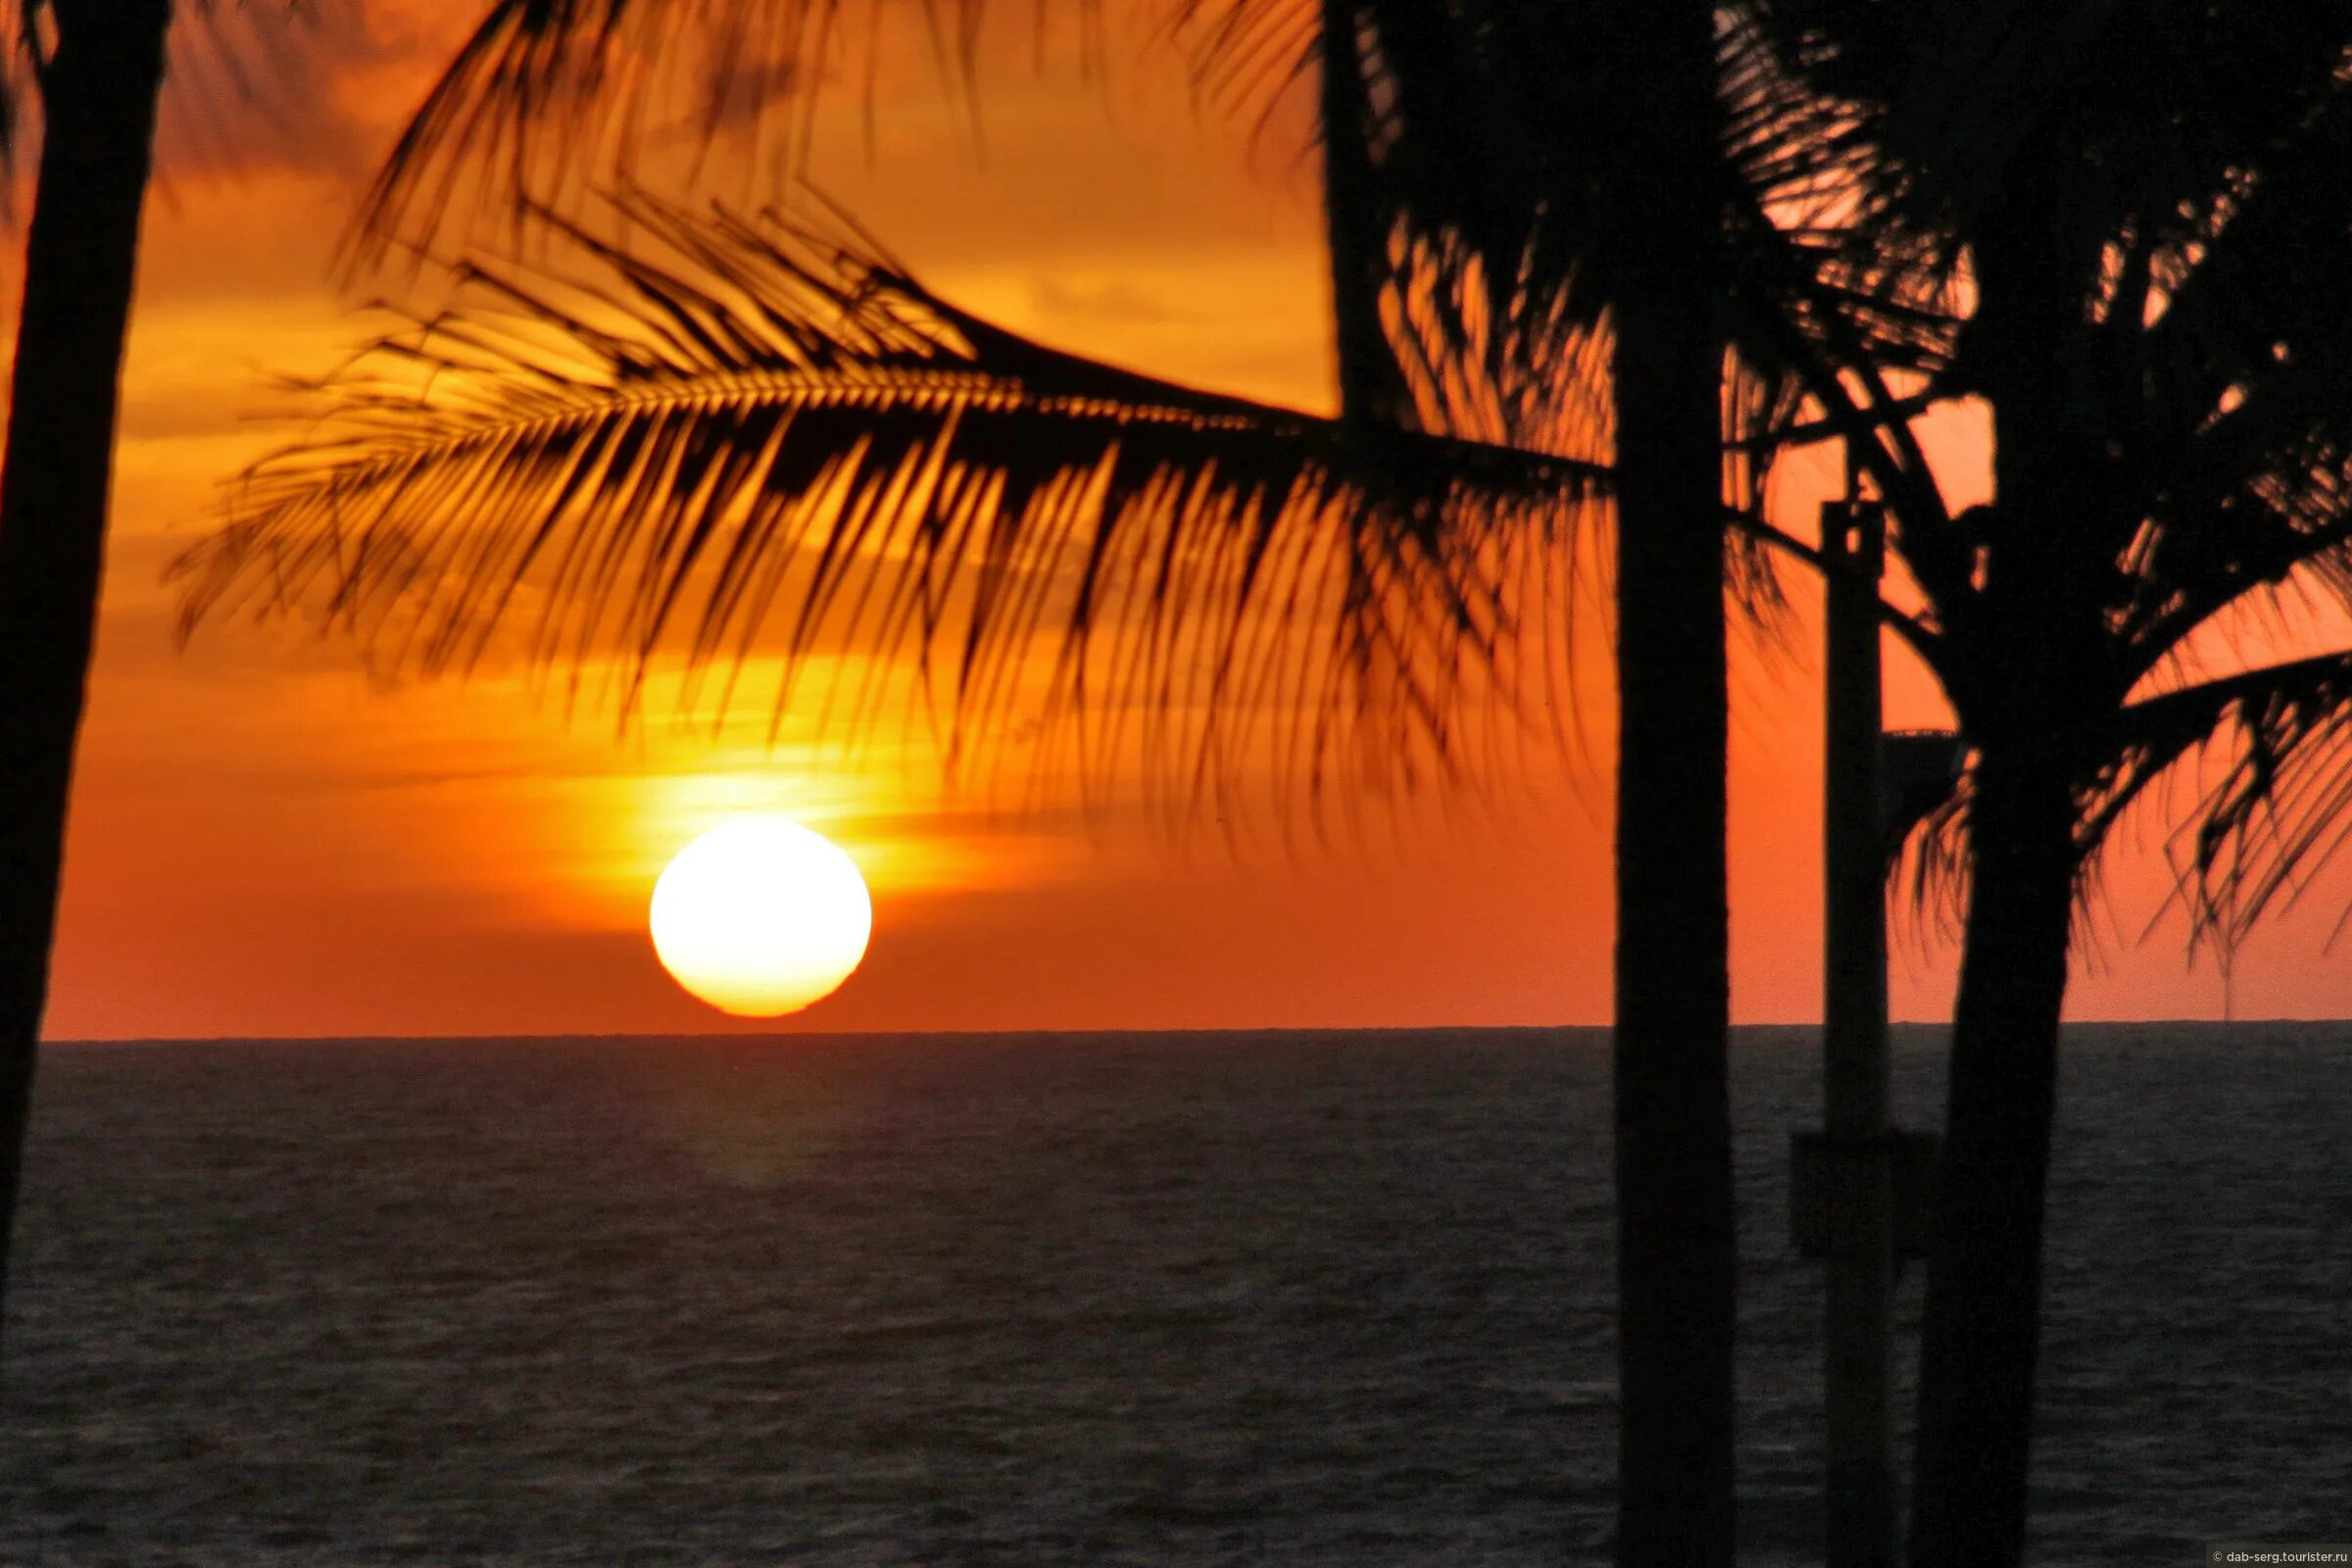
(266, 841)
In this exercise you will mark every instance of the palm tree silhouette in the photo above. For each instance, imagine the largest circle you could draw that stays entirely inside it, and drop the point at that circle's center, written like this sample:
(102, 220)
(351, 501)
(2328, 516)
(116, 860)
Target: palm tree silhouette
(97, 81)
(1487, 156)
(1510, 193)
(2140, 210)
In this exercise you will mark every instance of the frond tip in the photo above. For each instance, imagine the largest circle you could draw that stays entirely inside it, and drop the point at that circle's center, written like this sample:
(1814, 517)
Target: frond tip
(2273, 801)
(740, 435)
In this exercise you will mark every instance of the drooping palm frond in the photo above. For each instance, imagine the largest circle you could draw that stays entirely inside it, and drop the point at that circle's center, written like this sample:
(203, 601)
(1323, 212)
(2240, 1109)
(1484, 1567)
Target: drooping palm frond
(2233, 419)
(2248, 777)
(1502, 193)
(549, 99)
(1963, 101)
(2273, 792)
(738, 435)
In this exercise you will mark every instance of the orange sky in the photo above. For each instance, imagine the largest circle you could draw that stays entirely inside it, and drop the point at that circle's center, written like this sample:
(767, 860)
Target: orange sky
(266, 843)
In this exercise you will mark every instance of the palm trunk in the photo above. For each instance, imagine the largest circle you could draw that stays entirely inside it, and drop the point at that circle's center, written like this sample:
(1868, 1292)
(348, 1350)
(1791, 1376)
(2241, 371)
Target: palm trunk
(1977, 1344)
(1676, 1237)
(1372, 391)
(2036, 646)
(1676, 1244)
(99, 101)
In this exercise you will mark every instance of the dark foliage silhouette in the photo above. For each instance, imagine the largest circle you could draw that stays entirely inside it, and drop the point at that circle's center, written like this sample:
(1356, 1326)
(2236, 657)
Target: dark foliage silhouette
(2140, 210)
(98, 69)
(736, 427)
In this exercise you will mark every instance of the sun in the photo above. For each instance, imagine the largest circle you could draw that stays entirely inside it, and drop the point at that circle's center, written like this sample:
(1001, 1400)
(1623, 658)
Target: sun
(761, 916)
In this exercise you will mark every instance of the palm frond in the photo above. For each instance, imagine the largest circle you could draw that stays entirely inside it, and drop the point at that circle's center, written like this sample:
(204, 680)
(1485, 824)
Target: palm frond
(2269, 753)
(1929, 869)
(740, 434)
(2265, 760)
(1963, 102)
(1481, 207)
(549, 99)
(2233, 408)
(2283, 534)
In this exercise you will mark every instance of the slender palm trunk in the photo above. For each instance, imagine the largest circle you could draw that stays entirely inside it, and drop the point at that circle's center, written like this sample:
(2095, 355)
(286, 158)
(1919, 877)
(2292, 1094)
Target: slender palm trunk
(97, 147)
(1979, 1342)
(1676, 1236)
(2037, 646)
(1372, 390)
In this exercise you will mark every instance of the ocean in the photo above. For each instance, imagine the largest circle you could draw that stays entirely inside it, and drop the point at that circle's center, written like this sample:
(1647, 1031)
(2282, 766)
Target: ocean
(1221, 1298)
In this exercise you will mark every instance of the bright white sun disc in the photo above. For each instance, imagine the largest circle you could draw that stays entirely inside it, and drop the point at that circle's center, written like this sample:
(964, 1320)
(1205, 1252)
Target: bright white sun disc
(761, 916)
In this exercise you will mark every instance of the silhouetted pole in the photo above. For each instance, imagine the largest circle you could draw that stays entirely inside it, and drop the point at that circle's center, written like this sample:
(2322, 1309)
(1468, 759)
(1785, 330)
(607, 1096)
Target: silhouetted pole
(1856, 1179)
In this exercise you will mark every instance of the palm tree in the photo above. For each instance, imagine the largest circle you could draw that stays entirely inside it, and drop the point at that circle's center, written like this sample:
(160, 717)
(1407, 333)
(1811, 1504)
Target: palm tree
(101, 82)
(2142, 207)
(1511, 146)
(98, 78)
(1656, 290)
(1474, 148)
(2160, 239)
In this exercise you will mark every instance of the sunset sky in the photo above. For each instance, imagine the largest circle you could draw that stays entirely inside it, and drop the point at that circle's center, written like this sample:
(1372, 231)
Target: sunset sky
(264, 841)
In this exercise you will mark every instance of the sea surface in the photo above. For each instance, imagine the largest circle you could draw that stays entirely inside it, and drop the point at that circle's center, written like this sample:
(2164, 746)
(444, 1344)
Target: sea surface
(1233, 1299)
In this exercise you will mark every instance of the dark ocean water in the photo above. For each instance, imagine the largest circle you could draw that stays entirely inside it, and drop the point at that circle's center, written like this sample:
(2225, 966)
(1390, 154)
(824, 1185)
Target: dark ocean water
(1062, 1301)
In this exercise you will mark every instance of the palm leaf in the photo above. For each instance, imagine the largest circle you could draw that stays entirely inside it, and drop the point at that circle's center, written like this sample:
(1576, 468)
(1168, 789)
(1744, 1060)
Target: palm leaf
(1960, 100)
(741, 434)
(1499, 193)
(2235, 424)
(2265, 757)
(2273, 796)
(549, 98)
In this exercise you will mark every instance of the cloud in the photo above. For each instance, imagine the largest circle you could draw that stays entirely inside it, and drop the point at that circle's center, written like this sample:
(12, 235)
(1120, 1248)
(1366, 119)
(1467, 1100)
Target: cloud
(1112, 301)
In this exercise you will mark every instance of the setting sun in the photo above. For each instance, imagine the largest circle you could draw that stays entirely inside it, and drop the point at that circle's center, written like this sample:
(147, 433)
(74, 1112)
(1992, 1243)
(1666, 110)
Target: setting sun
(760, 917)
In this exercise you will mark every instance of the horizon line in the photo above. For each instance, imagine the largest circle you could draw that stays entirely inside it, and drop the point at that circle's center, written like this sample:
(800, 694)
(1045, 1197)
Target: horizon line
(614, 1037)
